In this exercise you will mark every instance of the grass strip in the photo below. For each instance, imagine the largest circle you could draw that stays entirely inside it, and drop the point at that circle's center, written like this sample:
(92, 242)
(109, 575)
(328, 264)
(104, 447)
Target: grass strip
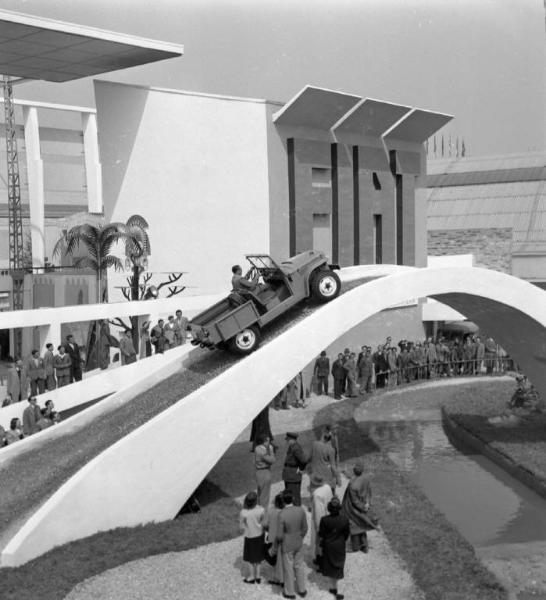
(442, 563)
(523, 441)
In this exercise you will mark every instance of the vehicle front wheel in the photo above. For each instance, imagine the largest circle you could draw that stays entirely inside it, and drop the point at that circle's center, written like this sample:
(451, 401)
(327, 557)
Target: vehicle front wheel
(325, 285)
(246, 341)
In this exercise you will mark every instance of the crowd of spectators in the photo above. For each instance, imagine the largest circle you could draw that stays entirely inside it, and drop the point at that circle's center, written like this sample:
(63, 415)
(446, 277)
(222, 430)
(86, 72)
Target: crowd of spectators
(164, 335)
(34, 419)
(394, 364)
(37, 374)
(274, 531)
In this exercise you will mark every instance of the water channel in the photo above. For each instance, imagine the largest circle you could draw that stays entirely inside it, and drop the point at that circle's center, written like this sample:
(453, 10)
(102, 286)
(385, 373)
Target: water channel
(486, 504)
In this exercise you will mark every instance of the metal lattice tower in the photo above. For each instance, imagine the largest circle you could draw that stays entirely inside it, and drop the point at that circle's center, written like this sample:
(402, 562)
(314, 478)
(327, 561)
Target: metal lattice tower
(15, 220)
(14, 188)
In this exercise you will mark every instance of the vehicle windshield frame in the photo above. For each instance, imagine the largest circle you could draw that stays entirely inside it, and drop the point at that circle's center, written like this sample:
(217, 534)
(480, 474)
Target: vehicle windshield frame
(262, 261)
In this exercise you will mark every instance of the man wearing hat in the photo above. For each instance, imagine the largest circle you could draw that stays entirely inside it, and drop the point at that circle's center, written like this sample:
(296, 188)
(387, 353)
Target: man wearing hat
(321, 494)
(294, 464)
(323, 460)
(356, 507)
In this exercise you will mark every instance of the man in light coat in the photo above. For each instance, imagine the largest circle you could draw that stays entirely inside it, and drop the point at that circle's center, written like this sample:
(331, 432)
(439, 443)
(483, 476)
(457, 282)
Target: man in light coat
(16, 381)
(182, 326)
(320, 496)
(292, 530)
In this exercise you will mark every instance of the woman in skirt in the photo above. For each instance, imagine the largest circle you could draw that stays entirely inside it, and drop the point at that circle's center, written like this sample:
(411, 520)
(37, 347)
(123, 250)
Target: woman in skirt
(251, 521)
(333, 534)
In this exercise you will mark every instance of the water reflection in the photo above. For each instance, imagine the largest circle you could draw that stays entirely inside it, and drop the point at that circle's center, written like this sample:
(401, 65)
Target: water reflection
(486, 504)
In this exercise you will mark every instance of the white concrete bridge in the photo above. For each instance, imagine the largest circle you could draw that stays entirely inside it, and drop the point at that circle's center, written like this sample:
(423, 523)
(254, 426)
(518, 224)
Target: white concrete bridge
(150, 473)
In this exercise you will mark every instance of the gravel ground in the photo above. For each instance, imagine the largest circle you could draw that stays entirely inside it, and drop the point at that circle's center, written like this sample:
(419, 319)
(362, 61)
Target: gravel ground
(215, 572)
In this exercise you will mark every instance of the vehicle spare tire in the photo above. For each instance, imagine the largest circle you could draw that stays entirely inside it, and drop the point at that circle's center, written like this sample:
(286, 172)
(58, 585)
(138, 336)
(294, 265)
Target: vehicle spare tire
(325, 285)
(246, 341)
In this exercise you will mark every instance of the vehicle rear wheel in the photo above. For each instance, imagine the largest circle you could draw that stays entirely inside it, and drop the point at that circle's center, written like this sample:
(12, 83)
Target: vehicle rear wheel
(325, 285)
(246, 341)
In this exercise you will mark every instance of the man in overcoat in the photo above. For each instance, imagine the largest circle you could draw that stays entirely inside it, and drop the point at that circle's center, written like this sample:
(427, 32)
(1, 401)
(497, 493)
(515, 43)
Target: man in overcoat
(294, 463)
(16, 381)
(49, 368)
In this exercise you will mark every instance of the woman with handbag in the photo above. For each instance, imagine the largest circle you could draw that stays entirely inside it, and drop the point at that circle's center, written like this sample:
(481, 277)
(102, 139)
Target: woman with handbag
(251, 521)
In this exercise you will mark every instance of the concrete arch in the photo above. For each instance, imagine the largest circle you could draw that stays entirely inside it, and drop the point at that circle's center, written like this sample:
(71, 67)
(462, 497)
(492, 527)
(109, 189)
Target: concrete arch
(150, 473)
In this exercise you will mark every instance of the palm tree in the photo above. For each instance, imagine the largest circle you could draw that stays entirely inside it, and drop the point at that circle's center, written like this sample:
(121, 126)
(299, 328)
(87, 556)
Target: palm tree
(99, 240)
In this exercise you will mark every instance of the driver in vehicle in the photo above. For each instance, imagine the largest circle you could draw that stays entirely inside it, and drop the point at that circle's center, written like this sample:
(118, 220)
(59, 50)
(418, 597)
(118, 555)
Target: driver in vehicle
(242, 284)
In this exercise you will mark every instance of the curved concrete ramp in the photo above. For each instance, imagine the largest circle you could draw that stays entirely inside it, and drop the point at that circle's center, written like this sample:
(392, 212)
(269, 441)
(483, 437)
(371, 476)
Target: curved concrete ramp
(149, 474)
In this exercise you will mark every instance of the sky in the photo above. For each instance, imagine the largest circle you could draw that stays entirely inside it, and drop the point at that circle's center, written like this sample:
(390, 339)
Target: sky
(482, 61)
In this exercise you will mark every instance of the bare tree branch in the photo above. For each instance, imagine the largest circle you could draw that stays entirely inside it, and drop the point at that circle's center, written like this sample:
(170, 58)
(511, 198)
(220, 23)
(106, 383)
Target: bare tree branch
(173, 277)
(120, 323)
(174, 290)
(126, 292)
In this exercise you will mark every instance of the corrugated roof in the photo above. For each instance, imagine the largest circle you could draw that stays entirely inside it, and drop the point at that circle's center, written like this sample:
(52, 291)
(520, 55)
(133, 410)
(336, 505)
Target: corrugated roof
(467, 164)
(485, 177)
(517, 206)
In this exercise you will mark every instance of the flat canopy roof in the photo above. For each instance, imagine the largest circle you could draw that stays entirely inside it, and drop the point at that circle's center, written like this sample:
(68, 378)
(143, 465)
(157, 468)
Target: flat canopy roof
(36, 48)
(315, 107)
(339, 112)
(372, 117)
(418, 126)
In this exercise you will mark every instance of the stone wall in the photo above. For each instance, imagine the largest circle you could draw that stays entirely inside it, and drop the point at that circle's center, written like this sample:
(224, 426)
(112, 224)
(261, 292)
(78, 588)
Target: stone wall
(491, 248)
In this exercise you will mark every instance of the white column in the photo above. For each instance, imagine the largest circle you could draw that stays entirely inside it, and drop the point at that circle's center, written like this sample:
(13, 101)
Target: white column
(50, 334)
(35, 173)
(93, 175)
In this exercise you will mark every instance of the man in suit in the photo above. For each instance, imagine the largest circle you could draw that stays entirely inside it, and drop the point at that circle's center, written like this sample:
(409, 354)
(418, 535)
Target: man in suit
(182, 326)
(321, 371)
(73, 350)
(169, 331)
(157, 337)
(62, 364)
(291, 531)
(49, 368)
(294, 463)
(31, 415)
(365, 370)
(35, 373)
(338, 373)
